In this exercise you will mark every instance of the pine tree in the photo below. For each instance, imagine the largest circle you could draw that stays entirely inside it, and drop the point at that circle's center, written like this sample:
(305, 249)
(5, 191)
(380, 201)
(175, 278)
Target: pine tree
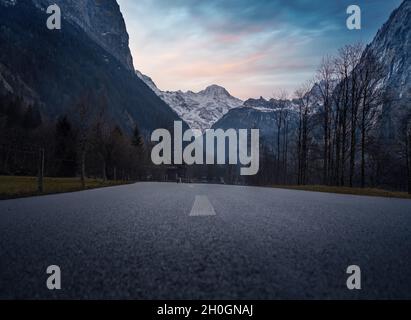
(137, 139)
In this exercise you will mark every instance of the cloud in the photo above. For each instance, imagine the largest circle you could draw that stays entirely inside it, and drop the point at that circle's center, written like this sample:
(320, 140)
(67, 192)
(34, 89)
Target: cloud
(241, 44)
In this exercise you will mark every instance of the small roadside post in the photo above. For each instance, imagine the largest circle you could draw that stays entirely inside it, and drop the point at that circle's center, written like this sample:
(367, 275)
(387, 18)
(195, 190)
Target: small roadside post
(40, 177)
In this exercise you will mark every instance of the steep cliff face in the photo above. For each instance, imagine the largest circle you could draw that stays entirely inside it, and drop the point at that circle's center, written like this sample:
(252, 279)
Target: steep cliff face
(101, 20)
(392, 45)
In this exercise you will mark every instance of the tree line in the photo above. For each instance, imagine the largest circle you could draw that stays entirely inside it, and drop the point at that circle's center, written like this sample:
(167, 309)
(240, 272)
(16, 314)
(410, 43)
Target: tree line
(339, 136)
(84, 142)
(332, 132)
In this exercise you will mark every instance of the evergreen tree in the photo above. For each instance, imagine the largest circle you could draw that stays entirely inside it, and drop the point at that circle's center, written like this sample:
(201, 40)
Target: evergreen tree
(137, 139)
(65, 150)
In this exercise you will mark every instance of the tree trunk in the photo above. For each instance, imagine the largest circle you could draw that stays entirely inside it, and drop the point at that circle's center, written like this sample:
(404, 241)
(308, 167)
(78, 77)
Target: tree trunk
(6, 162)
(363, 134)
(300, 150)
(104, 174)
(363, 155)
(40, 177)
(408, 156)
(337, 147)
(278, 152)
(286, 154)
(353, 130)
(83, 169)
(304, 151)
(343, 149)
(325, 156)
(352, 156)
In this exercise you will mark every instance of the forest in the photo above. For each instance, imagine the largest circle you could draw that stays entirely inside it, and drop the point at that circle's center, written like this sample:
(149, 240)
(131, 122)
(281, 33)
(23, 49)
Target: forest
(335, 133)
(335, 130)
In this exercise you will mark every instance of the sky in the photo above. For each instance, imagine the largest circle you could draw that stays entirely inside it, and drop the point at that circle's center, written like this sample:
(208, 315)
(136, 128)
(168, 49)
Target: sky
(252, 48)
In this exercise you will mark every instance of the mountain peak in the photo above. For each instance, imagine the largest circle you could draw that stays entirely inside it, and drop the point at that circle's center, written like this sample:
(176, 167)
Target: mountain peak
(200, 110)
(148, 81)
(254, 102)
(215, 90)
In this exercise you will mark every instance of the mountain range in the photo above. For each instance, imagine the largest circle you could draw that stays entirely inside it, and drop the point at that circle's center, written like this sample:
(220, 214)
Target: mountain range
(392, 46)
(199, 109)
(216, 108)
(53, 68)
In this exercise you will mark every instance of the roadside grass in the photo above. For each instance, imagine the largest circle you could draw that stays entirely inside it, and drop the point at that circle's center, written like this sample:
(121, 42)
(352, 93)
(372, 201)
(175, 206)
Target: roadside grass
(17, 187)
(346, 190)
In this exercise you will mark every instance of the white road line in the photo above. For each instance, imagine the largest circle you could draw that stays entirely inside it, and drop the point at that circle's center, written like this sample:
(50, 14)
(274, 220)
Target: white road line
(202, 207)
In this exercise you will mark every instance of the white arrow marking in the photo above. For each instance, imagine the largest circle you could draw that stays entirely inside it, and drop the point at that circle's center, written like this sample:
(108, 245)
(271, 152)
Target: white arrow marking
(202, 207)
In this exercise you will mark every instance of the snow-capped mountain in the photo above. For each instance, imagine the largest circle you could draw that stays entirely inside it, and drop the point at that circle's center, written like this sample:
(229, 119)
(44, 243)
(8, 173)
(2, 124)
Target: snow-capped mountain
(262, 114)
(272, 105)
(199, 109)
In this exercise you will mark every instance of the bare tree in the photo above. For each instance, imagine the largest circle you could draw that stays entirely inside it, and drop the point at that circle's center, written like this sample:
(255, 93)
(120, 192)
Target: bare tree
(325, 82)
(344, 69)
(304, 100)
(280, 102)
(102, 135)
(355, 53)
(83, 114)
(371, 74)
(285, 144)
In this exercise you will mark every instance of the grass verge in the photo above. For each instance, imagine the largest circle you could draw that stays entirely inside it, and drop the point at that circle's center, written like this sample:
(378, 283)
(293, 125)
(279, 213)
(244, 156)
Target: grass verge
(17, 187)
(347, 190)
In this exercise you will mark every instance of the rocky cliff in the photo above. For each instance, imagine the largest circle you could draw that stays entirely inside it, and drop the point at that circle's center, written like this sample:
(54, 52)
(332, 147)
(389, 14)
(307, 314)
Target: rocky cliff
(392, 46)
(55, 68)
(101, 20)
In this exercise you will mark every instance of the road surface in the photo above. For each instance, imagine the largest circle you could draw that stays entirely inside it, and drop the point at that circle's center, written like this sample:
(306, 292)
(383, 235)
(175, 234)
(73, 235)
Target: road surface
(184, 241)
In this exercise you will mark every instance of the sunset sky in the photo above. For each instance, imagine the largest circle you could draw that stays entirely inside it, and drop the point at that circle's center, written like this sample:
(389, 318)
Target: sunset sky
(253, 48)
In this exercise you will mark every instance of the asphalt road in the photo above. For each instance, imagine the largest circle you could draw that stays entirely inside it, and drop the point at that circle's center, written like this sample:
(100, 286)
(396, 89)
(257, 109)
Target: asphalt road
(152, 241)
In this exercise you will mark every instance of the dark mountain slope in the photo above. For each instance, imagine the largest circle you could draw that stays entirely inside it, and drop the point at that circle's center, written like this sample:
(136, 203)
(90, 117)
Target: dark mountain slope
(57, 67)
